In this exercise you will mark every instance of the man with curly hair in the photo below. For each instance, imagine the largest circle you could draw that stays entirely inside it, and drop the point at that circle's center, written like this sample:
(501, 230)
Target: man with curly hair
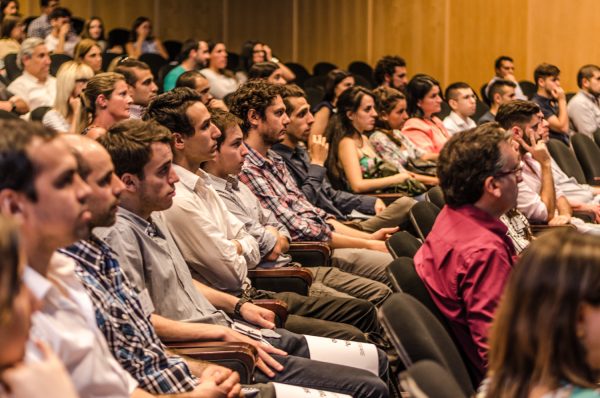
(390, 71)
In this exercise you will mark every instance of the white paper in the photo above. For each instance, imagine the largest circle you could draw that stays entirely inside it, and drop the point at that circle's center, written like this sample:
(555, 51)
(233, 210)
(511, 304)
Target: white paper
(343, 352)
(287, 391)
(358, 215)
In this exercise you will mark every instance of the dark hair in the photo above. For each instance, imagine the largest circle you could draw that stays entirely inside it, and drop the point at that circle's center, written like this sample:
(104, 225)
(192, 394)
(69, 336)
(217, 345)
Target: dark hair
(262, 70)
(467, 159)
(169, 109)
(59, 12)
(17, 170)
(516, 113)
(4, 4)
(44, 3)
(254, 94)
(247, 55)
(85, 33)
(545, 70)
(386, 66)
(497, 88)
(224, 121)
(10, 279)
(291, 91)
(187, 47)
(334, 78)
(188, 79)
(129, 144)
(136, 24)
(341, 126)
(8, 24)
(418, 87)
(534, 338)
(585, 72)
(452, 90)
(500, 59)
(126, 66)
(211, 47)
(386, 99)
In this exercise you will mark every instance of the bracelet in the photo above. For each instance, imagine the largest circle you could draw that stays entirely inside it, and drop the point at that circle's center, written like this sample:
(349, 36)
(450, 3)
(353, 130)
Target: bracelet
(238, 306)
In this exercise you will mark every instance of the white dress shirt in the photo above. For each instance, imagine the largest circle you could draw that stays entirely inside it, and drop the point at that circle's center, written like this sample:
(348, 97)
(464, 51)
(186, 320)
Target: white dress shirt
(66, 321)
(455, 124)
(34, 92)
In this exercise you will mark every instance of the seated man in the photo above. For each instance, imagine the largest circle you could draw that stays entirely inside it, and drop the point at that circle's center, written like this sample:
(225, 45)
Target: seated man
(61, 40)
(140, 81)
(198, 82)
(390, 71)
(311, 176)
(183, 308)
(194, 55)
(504, 67)
(551, 99)
(583, 109)
(467, 257)
(499, 92)
(462, 101)
(260, 107)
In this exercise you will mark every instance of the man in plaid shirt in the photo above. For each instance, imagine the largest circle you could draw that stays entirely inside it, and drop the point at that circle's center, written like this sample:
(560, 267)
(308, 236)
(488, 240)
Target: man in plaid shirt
(260, 106)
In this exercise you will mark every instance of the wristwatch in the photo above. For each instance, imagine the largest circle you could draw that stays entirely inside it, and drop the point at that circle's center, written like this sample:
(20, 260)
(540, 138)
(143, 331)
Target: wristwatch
(238, 305)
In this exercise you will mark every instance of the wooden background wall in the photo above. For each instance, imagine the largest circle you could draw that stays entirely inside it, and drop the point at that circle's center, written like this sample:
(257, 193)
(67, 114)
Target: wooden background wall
(449, 39)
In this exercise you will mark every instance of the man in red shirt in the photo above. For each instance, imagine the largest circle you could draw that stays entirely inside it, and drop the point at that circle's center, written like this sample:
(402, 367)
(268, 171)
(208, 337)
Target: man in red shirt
(466, 258)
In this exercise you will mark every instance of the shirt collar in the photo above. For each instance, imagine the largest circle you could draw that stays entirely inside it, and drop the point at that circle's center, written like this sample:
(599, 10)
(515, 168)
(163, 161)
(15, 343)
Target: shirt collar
(190, 180)
(455, 117)
(591, 97)
(149, 227)
(487, 221)
(37, 284)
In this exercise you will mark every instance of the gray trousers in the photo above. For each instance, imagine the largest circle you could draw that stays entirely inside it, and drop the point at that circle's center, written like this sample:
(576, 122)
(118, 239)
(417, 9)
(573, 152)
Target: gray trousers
(394, 215)
(370, 264)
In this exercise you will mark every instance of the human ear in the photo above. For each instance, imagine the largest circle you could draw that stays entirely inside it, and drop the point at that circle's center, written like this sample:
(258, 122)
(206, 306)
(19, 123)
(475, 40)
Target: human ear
(491, 187)
(11, 203)
(178, 141)
(131, 182)
(253, 117)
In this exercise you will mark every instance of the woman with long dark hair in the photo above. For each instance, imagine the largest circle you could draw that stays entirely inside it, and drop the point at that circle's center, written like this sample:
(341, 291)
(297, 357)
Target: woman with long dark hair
(142, 41)
(336, 83)
(222, 80)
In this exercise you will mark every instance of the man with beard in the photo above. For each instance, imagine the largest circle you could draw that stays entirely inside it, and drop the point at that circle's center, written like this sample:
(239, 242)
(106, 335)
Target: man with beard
(583, 109)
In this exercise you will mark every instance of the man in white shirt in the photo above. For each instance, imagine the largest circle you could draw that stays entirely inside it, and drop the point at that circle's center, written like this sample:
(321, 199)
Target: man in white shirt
(462, 101)
(504, 67)
(140, 81)
(61, 39)
(35, 86)
(584, 107)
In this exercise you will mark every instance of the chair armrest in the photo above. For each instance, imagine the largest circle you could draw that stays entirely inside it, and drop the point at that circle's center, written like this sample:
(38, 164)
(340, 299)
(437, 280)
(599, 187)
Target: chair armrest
(280, 308)
(238, 356)
(284, 279)
(537, 229)
(387, 198)
(310, 254)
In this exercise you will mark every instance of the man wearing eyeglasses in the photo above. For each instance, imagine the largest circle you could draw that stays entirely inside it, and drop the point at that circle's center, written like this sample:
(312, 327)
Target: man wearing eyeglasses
(467, 257)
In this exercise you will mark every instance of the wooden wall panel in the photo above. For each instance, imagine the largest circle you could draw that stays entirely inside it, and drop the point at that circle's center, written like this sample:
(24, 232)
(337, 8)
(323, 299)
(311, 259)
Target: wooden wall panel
(121, 13)
(184, 19)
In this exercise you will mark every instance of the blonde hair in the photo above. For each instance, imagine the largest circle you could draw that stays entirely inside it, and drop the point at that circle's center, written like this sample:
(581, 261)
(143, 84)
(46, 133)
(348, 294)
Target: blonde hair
(83, 47)
(66, 78)
(101, 84)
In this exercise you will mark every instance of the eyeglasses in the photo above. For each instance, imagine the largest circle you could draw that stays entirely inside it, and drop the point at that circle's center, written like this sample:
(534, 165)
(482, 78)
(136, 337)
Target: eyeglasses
(517, 171)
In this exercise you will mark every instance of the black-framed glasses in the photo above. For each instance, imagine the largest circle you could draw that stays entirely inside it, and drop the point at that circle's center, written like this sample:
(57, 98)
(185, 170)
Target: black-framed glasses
(517, 171)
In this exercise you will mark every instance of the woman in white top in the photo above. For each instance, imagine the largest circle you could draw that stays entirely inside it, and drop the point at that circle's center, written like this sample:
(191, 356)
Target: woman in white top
(222, 81)
(71, 79)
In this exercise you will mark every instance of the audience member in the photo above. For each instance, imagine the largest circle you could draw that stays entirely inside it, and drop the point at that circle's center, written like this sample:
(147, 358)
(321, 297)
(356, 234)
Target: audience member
(40, 27)
(8, 8)
(337, 82)
(466, 258)
(583, 108)
(505, 70)
(106, 101)
(89, 52)
(142, 87)
(254, 52)
(424, 129)
(222, 81)
(61, 40)
(116, 42)
(12, 35)
(196, 81)
(499, 92)
(35, 86)
(94, 29)
(184, 310)
(71, 79)
(194, 55)
(390, 71)
(260, 107)
(463, 102)
(544, 339)
(142, 41)
(270, 71)
(552, 100)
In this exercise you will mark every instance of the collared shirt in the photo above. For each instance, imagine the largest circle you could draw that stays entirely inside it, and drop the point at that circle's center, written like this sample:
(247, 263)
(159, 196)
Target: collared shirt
(315, 185)
(464, 263)
(39, 27)
(549, 108)
(204, 230)
(518, 90)
(150, 259)
(67, 323)
(34, 92)
(242, 203)
(529, 201)
(270, 181)
(427, 135)
(69, 46)
(455, 124)
(584, 113)
(124, 323)
(136, 111)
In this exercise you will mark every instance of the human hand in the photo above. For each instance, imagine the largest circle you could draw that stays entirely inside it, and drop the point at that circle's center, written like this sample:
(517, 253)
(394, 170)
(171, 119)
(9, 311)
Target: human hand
(384, 233)
(258, 316)
(142, 32)
(537, 148)
(402, 177)
(47, 378)
(560, 220)
(318, 147)
(218, 381)
(265, 361)
(75, 104)
(64, 30)
(268, 52)
(217, 104)
(378, 245)
(558, 93)
(379, 206)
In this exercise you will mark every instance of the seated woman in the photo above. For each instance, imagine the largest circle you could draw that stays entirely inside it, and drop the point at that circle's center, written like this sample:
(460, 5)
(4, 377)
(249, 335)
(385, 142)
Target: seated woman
(8, 8)
(141, 40)
(222, 81)
(423, 128)
(352, 161)
(71, 79)
(88, 52)
(268, 71)
(254, 52)
(545, 339)
(388, 141)
(337, 82)
(12, 35)
(107, 100)
(94, 29)
(48, 377)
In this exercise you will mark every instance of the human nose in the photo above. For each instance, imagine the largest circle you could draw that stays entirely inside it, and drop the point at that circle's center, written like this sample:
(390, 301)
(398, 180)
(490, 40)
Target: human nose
(83, 190)
(118, 186)
(173, 177)
(286, 119)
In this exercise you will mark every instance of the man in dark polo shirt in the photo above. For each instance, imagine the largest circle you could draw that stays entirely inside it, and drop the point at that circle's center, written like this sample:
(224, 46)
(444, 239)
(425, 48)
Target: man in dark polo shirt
(552, 100)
